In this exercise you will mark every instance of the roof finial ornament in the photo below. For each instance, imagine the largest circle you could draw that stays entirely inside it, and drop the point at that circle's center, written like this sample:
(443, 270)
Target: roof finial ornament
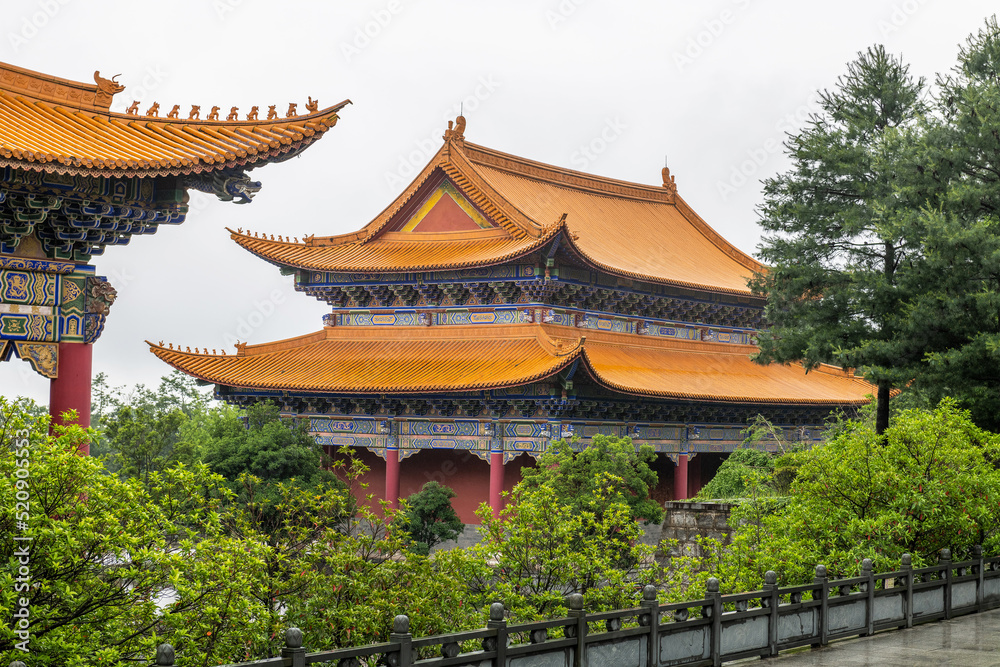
(171, 346)
(153, 110)
(106, 89)
(271, 113)
(253, 113)
(173, 112)
(669, 183)
(232, 114)
(292, 110)
(456, 131)
(312, 106)
(214, 115)
(195, 112)
(133, 109)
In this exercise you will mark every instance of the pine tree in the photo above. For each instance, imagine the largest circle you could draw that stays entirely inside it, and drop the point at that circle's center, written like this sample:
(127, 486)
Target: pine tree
(954, 312)
(836, 228)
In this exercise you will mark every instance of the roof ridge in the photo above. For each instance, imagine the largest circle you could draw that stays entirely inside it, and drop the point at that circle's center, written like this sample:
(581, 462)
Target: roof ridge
(222, 123)
(563, 177)
(666, 193)
(170, 348)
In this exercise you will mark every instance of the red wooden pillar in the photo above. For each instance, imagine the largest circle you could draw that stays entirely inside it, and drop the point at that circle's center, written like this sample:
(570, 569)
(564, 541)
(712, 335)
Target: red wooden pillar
(392, 476)
(496, 482)
(70, 390)
(681, 477)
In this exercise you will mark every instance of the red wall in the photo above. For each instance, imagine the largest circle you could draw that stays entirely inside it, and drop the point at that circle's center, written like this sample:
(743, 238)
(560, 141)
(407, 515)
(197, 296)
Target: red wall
(461, 470)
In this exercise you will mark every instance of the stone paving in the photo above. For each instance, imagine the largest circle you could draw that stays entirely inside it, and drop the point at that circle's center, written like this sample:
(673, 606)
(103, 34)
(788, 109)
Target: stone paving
(967, 641)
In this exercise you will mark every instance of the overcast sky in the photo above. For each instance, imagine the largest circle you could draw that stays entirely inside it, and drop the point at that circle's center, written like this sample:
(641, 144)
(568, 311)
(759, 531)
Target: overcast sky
(605, 87)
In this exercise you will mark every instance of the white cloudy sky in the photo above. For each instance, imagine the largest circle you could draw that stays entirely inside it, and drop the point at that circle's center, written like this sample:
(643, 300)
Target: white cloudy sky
(713, 85)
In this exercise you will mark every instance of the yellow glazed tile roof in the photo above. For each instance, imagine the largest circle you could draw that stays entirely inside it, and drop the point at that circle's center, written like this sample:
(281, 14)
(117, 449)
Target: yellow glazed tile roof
(55, 125)
(383, 360)
(714, 372)
(637, 231)
(416, 359)
(399, 251)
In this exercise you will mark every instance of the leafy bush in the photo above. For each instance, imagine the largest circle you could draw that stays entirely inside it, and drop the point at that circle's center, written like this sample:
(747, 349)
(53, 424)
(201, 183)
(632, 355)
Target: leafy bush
(607, 471)
(736, 472)
(429, 518)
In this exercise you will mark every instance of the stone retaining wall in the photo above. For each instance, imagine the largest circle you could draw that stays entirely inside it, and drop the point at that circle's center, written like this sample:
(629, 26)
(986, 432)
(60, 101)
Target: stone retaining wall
(686, 522)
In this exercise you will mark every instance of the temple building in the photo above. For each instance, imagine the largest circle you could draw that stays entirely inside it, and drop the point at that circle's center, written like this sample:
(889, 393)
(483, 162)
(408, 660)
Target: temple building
(499, 304)
(76, 178)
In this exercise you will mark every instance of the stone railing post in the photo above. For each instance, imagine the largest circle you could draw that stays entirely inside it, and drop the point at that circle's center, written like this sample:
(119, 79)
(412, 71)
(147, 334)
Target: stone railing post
(715, 612)
(293, 647)
(650, 617)
(944, 559)
(869, 588)
(906, 565)
(771, 602)
(498, 643)
(577, 630)
(164, 657)
(401, 635)
(978, 569)
(823, 593)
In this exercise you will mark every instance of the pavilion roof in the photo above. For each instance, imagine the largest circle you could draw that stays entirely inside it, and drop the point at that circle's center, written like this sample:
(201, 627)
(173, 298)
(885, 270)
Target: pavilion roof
(384, 360)
(56, 125)
(459, 358)
(637, 231)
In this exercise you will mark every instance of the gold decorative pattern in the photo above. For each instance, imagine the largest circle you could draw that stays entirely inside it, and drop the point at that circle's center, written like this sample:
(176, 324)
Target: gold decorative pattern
(70, 291)
(43, 357)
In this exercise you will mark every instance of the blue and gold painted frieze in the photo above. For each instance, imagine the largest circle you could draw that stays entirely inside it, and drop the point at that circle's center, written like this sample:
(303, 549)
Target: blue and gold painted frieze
(505, 272)
(39, 265)
(28, 287)
(27, 326)
(494, 316)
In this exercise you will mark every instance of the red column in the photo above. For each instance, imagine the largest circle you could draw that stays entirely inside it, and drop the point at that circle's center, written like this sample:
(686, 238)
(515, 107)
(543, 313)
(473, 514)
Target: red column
(392, 476)
(681, 477)
(496, 482)
(71, 389)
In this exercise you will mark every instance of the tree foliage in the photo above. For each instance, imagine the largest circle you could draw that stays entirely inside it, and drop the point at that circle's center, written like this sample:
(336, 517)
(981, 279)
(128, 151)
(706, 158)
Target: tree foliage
(429, 517)
(953, 313)
(735, 474)
(104, 552)
(541, 548)
(835, 237)
(581, 479)
(932, 482)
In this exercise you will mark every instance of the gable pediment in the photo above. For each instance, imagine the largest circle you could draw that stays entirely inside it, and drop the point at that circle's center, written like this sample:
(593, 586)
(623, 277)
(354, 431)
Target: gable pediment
(443, 208)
